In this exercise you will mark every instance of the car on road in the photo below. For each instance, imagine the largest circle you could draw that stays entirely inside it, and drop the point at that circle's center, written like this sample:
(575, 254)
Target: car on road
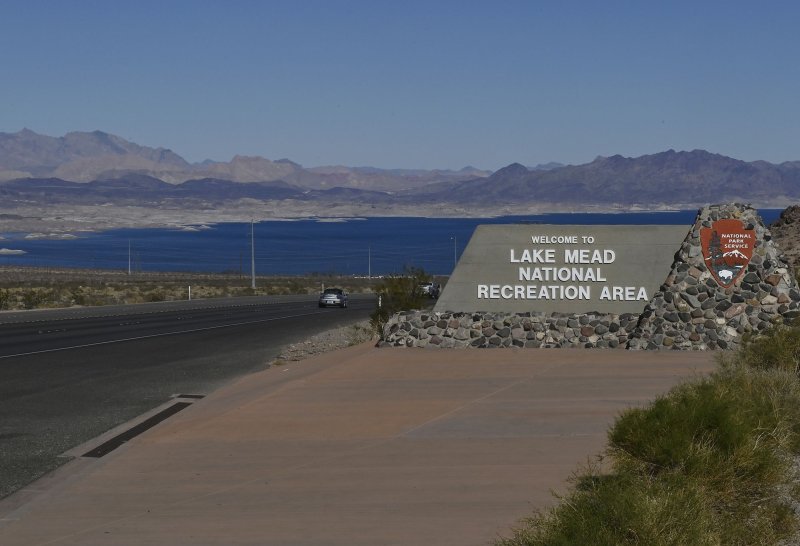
(430, 289)
(333, 296)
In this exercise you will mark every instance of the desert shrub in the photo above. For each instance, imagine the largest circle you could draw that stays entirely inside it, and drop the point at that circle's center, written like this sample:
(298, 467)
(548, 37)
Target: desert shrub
(101, 299)
(77, 296)
(707, 463)
(777, 347)
(296, 287)
(32, 298)
(96, 287)
(731, 436)
(359, 333)
(155, 295)
(698, 425)
(398, 293)
(5, 299)
(611, 510)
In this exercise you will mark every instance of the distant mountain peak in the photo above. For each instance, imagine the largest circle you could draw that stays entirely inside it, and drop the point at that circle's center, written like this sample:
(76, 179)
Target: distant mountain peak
(287, 161)
(512, 170)
(549, 166)
(667, 157)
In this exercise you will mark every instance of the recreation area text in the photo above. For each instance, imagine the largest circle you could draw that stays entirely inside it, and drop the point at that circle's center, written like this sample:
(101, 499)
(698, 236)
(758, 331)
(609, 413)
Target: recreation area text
(567, 273)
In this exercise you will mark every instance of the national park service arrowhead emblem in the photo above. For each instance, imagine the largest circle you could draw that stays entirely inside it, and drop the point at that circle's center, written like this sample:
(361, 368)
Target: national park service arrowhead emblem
(727, 249)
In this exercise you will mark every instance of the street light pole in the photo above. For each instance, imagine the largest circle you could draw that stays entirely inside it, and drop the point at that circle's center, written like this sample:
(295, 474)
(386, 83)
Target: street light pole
(252, 257)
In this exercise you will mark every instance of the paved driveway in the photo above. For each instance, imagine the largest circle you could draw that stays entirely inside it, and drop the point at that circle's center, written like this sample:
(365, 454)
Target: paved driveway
(362, 446)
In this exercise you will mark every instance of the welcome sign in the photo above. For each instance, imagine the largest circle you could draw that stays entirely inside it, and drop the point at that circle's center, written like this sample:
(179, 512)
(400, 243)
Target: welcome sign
(561, 268)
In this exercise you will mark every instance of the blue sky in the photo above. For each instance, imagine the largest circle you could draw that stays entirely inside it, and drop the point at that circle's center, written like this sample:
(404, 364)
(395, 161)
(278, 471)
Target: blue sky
(434, 84)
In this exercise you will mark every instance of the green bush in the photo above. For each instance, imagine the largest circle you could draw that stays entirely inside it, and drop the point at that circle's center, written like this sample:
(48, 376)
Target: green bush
(610, 510)
(731, 436)
(777, 348)
(707, 463)
(398, 293)
(700, 425)
(711, 462)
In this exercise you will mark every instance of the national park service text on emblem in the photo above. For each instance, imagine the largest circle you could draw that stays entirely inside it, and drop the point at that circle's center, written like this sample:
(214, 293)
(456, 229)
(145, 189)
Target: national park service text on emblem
(727, 249)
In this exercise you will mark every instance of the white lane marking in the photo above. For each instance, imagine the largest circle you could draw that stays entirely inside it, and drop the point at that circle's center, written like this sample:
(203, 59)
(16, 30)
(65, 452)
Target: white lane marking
(159, 335)
(97, 312)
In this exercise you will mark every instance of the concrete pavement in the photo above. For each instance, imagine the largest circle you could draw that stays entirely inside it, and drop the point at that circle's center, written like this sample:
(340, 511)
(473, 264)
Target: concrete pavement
(362, 446)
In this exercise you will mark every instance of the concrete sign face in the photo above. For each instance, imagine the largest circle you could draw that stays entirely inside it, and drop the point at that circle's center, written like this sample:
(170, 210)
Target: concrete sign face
(561, 268)
(727, 249)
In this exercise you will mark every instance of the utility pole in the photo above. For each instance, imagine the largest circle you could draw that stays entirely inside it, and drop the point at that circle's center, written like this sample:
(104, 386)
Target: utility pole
(455, 246)
(129, 256)
(252, 257)
(369, 266)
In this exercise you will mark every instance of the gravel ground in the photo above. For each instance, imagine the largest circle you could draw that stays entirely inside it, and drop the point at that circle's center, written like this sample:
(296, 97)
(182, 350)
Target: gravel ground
(330, 340)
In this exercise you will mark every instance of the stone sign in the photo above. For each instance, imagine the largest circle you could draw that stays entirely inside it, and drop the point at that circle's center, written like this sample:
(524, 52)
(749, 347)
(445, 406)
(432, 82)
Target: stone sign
(727, 279)
(562, 268)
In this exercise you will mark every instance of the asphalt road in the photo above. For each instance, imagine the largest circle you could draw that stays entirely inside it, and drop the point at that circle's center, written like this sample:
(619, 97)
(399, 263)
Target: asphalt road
(67, 376)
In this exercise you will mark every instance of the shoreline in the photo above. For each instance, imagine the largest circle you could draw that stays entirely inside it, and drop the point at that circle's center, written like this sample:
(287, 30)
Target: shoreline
(66, 221)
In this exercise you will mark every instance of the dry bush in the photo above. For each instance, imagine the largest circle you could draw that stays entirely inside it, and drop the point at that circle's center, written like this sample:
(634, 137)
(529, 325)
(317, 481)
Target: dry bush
(29, 287)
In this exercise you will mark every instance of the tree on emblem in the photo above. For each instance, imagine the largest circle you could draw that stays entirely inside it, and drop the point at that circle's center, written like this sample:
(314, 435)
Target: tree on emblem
(715, 254)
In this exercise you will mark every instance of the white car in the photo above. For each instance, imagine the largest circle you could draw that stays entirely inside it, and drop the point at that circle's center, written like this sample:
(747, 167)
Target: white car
(333, 296)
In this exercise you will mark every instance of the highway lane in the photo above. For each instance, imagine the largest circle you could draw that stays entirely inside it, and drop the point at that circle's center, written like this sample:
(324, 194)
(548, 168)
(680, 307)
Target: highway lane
(8, 317)
(54, 331)
(64, 381)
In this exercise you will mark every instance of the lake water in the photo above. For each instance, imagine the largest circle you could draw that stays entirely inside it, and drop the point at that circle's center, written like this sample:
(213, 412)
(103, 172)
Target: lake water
(352, 247)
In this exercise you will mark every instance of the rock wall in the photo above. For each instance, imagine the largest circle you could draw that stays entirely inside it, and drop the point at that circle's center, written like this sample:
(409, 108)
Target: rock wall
(691, 310)
(786, 233)
(490, 330)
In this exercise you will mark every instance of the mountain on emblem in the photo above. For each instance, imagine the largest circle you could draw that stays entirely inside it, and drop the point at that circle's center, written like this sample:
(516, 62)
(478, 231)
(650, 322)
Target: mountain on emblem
(736, 254)
(727, 249)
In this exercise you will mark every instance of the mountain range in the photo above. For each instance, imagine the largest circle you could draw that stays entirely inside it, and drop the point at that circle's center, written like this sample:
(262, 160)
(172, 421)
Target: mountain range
(669, 178)
(88, 156)
(97, 168)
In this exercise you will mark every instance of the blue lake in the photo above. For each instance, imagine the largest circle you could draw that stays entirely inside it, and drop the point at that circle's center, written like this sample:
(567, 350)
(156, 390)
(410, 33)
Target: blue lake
(351, 247)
